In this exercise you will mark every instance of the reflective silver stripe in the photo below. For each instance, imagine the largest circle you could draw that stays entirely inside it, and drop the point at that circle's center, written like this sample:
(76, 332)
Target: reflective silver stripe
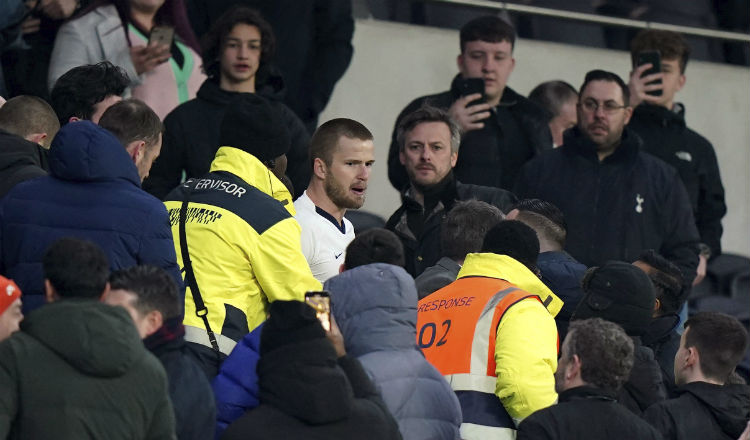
(480, 344)
(198, 335)
(470, 431)
(472, 382)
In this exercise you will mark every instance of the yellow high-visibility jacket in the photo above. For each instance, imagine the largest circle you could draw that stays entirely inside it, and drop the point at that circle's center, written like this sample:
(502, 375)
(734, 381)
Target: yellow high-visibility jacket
(244, 244)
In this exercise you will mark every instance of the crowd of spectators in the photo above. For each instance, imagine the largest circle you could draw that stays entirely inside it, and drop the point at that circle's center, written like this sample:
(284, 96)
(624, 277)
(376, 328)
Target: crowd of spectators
(177, 261)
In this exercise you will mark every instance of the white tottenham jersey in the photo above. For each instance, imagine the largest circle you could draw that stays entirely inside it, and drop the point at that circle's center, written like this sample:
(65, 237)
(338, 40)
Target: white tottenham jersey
(324, 242)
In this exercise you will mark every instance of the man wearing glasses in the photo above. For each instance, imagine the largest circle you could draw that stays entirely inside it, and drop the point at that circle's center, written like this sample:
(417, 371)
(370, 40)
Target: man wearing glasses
(617, 200)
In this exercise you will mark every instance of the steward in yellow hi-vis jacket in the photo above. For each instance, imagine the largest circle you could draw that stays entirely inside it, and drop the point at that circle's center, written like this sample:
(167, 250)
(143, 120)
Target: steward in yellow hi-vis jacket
(241, 238)
(492, 334)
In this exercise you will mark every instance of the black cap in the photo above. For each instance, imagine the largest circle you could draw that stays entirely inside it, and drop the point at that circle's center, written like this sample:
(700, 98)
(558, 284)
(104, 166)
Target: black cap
(251, 124)
(289, 322)
(618, 292)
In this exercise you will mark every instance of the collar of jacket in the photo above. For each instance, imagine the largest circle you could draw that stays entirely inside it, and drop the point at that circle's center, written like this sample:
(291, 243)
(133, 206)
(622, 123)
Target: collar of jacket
(577, 143)
(661, 115)
(660, 328)
(586, 392)
(448, 194)
(248, 168)
(506, 268)
(269, 84)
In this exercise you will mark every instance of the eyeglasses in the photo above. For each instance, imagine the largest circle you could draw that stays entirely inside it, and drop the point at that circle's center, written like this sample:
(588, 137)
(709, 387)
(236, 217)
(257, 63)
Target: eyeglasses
(609, 107)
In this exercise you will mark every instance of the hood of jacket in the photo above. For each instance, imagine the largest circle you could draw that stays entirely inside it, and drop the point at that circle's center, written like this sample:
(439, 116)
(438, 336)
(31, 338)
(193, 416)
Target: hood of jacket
(84, 152)
(375, 307)
(506, 268)
(269, 84)
(662, 115)
(729, 404)
(95, 338)
(248, 168)
(16, 151)
(304, 380)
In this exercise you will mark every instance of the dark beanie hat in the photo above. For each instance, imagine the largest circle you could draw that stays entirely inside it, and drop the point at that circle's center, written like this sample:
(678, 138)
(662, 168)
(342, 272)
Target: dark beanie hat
(289, 322)
(251, 124)
(618, 292)
(514, 239)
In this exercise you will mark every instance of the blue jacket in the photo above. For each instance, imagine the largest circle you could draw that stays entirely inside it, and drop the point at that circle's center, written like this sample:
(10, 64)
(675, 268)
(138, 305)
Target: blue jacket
(236, 385)
(375, 307)
(562, 274)
(94, 193)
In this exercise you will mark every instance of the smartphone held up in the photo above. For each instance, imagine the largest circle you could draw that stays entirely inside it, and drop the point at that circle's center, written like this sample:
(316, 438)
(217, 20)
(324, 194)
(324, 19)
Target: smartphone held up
(321, 302)
(652, 57)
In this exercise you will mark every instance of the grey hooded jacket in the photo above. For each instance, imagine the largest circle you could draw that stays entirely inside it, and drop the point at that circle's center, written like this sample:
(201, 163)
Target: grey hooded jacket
(375, 306)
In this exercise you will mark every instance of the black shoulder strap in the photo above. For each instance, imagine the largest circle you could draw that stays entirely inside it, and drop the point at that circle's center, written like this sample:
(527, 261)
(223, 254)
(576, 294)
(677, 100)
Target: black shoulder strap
(200, 308)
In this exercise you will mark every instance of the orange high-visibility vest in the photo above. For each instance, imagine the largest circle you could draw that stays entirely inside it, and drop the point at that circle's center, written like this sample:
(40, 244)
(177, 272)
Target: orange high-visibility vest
(456, 330)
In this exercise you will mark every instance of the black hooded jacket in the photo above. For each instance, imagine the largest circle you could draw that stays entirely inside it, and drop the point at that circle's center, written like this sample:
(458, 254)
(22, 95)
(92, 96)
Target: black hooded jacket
(19, 160)
(645, 385)
(305, 392)
(666, 136)
(616, 208)
(663, 339)
(191, 137)
(702, 411)
(493, 155)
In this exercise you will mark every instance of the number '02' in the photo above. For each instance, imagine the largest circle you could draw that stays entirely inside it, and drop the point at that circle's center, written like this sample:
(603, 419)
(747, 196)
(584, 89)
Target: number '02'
(431, 329)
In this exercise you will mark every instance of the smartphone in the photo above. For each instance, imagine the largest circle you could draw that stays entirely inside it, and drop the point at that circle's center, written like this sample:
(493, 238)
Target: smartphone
(163, 35)
(470, 86)
(652, 57)
(321, 302)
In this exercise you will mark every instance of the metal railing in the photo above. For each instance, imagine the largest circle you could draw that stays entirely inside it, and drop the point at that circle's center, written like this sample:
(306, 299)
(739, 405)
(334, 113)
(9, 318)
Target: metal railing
(600, 19)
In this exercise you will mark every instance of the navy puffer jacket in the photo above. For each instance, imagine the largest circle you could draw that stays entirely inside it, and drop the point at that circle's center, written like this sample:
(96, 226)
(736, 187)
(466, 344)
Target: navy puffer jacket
(375, 307)
(94, 193)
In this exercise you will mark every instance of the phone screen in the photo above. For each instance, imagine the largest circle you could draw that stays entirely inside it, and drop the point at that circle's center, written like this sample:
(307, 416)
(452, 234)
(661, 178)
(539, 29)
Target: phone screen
(652, 57)
(321, 302)
(470, 86)
(162, 35)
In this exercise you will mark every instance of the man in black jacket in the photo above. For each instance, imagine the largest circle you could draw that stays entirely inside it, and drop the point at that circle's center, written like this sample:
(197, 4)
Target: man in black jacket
(238, 51)
(617, 200)
(501, 133)
(622, 293)
(27, 126)
(660, 122)
(151, 298)
(707, 407)
(309, 387)
(662, 336)
(428, 142)
(595, 361)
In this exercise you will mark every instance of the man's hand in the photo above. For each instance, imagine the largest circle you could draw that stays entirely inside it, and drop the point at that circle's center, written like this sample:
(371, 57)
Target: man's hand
(58, 9)
(701, 270)
(334, 335)
(469, 117)
(146, 59)
(639, 86)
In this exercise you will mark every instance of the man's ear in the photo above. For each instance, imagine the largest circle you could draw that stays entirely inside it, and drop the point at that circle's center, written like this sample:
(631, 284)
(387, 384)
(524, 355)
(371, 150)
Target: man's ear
(154, 320)
(37, 138)
(136, 150)
(342, 268)
(320, 169)
(50, 294)
(74, 119)
(573, 369)
(106, 290)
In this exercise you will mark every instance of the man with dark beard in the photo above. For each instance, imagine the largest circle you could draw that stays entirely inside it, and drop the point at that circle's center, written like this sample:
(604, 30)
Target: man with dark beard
(428, 142)
(617, 200)
(341, 154)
